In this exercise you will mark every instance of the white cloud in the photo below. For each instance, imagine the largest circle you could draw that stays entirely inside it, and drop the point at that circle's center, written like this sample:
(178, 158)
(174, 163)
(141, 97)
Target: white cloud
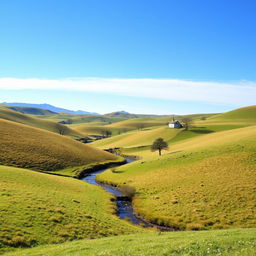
(237, 93)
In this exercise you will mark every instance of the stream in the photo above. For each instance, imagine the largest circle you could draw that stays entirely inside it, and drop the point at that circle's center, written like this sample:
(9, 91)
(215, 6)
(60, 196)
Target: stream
(124, 207)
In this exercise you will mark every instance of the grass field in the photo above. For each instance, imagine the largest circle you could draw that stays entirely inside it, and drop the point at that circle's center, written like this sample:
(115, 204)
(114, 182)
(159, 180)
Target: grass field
(38, 208)
(199, 184)
(96, 129)
(28, 147)
(51, 126)
(237, 242)
(205, 181)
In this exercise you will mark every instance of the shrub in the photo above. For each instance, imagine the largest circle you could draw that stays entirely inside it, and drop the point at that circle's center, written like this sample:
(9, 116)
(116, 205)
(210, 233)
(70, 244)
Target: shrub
(127, 191)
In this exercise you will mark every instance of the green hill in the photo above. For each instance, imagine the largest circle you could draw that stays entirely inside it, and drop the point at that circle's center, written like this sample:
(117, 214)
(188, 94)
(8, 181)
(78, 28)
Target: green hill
(15, 116)
(38, 208)
(201, 183)
(31, 111)
(246, 114)
(28, 147)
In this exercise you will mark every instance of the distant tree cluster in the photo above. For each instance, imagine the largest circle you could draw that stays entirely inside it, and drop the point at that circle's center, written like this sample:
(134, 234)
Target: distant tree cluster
(106, 133)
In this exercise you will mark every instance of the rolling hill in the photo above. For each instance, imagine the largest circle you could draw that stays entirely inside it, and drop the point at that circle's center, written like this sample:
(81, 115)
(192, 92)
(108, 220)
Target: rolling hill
(32, 111)
(38, 208)
(201, 183)
(47, 107)
(241, 115)
(15, 116)
(28, 147)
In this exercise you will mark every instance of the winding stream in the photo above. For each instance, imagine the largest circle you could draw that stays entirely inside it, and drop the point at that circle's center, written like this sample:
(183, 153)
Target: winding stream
(124, 208)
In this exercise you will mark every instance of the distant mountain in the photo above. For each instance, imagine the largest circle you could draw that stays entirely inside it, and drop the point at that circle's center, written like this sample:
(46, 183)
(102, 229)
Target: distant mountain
(32, 111)
(48, 107)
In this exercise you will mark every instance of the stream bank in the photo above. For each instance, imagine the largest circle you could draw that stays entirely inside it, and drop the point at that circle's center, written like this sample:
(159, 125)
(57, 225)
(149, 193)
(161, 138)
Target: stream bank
(124, 205)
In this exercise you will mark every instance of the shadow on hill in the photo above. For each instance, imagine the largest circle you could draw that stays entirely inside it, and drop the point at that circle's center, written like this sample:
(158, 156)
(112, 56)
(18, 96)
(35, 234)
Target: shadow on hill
(201, 130)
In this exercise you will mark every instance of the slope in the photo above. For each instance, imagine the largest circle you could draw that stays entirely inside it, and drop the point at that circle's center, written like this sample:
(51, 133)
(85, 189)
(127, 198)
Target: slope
(15, 116)
(241, 115)
(201, 183)
(38, 208)
(29, 147)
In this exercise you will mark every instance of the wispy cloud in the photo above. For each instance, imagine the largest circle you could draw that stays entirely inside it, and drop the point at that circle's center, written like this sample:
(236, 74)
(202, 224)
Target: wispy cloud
(236, 93)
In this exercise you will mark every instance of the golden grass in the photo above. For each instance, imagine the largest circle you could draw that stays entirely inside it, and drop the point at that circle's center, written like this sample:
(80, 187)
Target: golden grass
(36, 122)
(202, 183)
(138, 138)
(29, 147)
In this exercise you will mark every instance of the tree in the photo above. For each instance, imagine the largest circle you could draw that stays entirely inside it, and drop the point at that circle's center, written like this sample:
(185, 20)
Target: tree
(187, 122)
(62, 129)
(159, 144)
(140, 126)
(106, 133)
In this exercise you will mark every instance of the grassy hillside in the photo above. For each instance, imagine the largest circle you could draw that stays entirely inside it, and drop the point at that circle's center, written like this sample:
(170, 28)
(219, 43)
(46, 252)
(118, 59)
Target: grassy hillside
(29, 147)
(200, 183)
(87, 129)
(38, 208)
(241, 115)
(31, 111)
(15, 116)
(138, 138)
(140, 123)
(238, 242)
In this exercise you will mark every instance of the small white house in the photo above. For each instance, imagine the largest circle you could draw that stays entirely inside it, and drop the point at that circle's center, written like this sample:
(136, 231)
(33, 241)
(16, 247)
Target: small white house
(175, 124)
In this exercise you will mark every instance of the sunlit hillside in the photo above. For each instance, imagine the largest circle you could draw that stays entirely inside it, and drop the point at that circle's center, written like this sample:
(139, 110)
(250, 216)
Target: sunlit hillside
(200, 183)
(28, 147)
(38, 208)
(52, 126)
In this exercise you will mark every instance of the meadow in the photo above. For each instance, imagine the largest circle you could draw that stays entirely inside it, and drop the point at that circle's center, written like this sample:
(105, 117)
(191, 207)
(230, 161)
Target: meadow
(204, 181)
(28, 147)
(238, 242)
(209, 178)
(34, 121)
(38, 208)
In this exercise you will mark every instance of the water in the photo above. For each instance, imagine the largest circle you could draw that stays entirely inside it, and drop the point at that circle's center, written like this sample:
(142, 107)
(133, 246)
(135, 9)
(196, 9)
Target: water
(125, 209)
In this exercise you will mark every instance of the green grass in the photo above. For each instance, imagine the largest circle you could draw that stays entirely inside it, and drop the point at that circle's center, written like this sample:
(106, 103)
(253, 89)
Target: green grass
(90, 129)
(38, 208)
(241, 115)
(28, 147)
(51, 126)
(238, 242)
(199, 184)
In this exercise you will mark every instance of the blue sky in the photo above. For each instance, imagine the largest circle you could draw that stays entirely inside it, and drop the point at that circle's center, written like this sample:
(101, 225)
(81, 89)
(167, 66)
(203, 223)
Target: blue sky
(211, 42)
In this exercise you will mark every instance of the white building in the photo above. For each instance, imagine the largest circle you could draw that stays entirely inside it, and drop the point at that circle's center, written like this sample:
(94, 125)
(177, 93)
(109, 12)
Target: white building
(175, 124)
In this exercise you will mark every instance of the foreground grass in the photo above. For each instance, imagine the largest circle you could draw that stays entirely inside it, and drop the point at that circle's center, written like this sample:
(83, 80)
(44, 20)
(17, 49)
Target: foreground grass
(199, 184)
(28, 147)
(222, 242)
(38, 208)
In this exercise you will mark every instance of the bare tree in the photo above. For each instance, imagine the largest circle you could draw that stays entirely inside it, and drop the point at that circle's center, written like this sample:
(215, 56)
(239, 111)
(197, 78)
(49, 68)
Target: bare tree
(187, 122)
